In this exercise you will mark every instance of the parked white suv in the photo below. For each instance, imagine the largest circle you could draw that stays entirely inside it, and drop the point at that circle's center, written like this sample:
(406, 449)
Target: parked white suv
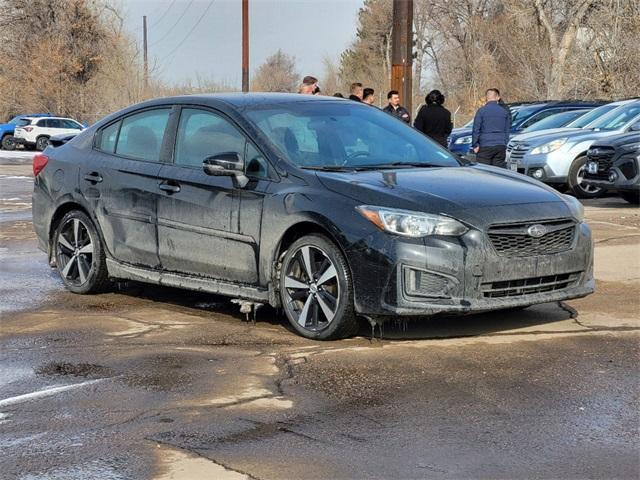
(35, 131)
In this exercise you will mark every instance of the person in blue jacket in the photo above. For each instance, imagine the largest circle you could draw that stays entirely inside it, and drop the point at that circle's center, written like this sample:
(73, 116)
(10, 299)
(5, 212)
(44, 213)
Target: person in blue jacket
(491, 127)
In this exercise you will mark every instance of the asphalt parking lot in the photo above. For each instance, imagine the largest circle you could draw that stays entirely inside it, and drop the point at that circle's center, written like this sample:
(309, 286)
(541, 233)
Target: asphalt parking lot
(150, 382)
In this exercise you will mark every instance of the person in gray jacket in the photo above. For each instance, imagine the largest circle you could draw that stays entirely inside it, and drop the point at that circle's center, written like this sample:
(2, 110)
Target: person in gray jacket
(491, 127)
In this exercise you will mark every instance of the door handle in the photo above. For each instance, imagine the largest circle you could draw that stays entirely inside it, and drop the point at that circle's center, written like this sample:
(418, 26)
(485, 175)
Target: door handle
(93, 177)
(169, 187)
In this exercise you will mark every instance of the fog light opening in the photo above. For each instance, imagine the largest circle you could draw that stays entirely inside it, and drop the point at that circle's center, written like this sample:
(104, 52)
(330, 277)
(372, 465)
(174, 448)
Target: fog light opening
(613, 176)
(538, 173)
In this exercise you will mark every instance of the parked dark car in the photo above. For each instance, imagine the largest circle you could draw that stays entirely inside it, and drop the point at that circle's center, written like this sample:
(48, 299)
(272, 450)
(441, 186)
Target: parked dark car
(327, 208)
(614, 164)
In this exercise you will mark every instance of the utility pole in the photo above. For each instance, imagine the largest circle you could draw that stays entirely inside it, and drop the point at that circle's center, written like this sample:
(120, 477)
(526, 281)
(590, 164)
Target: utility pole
(245, 45)
(402, 50)
(146, 58)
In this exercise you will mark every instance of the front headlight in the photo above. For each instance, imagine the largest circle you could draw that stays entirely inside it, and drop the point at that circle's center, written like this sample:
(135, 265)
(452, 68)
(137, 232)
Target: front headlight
(632, 147)
(550, 146)
(463, 140)
(411, 224)
(577, 209)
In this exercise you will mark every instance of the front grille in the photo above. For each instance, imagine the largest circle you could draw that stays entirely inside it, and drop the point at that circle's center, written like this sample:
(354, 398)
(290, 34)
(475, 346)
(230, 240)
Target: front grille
(602, 155)
(517, 150)
(514, 240)
(528, 286)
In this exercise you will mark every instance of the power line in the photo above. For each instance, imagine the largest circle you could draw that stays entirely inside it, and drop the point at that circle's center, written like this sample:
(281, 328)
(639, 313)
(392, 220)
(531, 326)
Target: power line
(174, 25)
(190, 31)
(164, 14)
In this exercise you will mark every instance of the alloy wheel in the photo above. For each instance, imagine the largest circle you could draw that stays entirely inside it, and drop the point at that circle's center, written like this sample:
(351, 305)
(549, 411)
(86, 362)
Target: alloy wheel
(312, 289)
(74, 252)
(583, 186)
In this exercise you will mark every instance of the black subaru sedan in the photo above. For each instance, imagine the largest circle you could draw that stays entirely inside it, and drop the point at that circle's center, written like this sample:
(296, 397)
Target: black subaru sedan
(329, 209)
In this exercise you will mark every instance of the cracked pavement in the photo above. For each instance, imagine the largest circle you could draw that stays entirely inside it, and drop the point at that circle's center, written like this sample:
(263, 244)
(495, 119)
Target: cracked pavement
(151, 382)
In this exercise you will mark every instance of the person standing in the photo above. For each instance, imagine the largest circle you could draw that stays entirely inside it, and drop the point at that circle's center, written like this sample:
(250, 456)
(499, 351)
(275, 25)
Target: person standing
(356, 92)
(433, 119)
(395, 109)
(368, 96)
(491, 127)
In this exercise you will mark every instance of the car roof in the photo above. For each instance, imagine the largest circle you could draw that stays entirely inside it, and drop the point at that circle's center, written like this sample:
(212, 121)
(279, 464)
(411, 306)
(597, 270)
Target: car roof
(48, 117)
(238, 99)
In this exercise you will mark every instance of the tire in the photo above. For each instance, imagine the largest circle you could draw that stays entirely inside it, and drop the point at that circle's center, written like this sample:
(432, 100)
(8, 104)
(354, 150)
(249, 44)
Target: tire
(41, 143)
(8, 142)
(575, 181)
(631, 197)
(79, 254)
(326, 302)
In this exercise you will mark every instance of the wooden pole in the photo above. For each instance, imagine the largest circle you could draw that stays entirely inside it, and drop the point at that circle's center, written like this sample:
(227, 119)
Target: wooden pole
(402, 50)
(245, 45)
(146, 57)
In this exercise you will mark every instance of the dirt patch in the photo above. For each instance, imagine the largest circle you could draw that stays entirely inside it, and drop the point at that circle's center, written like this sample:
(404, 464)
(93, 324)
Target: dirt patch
(87, 370)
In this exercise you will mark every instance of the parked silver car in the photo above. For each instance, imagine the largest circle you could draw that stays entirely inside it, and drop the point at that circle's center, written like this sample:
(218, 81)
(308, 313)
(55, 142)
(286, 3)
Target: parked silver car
(558, 157)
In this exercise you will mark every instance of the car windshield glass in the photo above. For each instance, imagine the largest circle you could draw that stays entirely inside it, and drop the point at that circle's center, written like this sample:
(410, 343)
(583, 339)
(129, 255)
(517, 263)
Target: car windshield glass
(616, 118)
(345, 135)
(469, 124)
(20, 122)
(586, 119)
(555, 121)
(521, 113)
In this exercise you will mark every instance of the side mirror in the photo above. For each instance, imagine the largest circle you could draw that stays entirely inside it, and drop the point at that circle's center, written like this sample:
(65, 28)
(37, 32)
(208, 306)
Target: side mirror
(227, 164)
(635, 127)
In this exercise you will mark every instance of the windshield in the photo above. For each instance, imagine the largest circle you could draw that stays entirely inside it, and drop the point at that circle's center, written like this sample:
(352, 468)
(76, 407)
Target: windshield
(345, 135)
(15, 121)
(616, 118)
(585, 120)
(555, 121)
(522, 113)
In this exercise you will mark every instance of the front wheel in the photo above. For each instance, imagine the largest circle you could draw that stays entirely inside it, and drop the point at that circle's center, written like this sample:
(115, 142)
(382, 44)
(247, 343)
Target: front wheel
(79, 255)
(8, 142)
(576, 180)
(316, 289)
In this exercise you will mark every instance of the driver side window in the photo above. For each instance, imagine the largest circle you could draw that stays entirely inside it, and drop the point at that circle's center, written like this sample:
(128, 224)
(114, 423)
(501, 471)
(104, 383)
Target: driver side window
(202, 134)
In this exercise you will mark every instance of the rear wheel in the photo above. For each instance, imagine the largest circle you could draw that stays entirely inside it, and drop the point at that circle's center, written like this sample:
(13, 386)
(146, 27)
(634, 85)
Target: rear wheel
(316, 289)
(576, 180)
(41, 143)
(8, 142)
(79, 254)
(631, 197)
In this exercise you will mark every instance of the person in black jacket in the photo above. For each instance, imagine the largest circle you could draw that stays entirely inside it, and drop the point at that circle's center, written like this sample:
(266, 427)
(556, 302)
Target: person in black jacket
(433, 119)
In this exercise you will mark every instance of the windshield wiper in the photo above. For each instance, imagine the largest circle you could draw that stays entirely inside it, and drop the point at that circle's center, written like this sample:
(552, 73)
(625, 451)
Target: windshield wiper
(381, 166)
(330, 168)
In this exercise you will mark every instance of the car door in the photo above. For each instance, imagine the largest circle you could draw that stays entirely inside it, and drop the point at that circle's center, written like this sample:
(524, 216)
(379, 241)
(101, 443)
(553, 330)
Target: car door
(120, 181)
(198, 214)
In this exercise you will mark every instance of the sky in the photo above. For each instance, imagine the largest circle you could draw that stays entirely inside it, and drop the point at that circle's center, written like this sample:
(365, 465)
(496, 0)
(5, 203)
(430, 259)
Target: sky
(190, 39)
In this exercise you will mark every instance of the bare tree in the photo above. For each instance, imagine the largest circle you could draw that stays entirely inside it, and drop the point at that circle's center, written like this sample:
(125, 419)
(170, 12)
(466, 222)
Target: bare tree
(276, 74)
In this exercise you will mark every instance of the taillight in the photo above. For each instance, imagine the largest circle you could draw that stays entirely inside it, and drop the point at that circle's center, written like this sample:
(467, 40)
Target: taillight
(28, 129)
(39, 162)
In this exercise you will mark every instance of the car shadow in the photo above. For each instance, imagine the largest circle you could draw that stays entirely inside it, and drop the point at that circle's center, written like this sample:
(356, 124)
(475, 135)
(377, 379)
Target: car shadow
(537, 318)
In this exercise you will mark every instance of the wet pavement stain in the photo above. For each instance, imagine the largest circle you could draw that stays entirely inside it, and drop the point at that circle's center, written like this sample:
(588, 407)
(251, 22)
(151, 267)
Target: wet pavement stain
(87, 370)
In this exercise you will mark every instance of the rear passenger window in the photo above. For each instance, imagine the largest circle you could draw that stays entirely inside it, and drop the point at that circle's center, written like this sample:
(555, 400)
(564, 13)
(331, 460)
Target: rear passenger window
(107, 140)
(202, 134)
(141, 135)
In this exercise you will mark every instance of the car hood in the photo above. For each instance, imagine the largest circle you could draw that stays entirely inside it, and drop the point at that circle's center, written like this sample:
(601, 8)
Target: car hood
(463, 192)
(551, 133)
(460, 132)
(574, 135)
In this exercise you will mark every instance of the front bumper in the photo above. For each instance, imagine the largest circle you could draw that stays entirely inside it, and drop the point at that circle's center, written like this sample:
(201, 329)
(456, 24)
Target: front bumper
(553, 166)
(466, 275)
(627, 172)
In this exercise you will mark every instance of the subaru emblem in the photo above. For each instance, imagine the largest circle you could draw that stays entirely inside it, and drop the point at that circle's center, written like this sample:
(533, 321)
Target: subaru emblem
(537, 230)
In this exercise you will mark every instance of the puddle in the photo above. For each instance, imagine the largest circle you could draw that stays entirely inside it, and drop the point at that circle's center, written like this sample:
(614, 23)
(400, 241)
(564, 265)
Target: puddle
(87, 370)
(179, 465)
